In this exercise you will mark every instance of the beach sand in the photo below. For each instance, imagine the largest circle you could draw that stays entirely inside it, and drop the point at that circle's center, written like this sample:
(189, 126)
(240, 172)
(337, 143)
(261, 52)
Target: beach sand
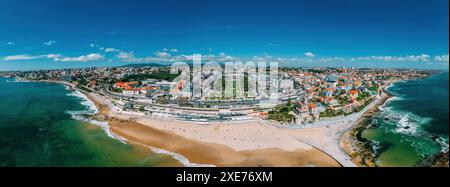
(247, 144)
(217, 154)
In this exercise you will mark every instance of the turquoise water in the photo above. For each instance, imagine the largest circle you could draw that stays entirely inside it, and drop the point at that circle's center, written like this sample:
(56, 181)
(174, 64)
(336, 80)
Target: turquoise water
(414, 124)
(37, 129)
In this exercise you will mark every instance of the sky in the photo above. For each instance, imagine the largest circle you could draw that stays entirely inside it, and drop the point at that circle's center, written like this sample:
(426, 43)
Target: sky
(46, 34)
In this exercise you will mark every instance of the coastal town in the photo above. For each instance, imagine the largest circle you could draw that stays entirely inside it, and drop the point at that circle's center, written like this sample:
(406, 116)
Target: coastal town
(306, 94)
(315, 107)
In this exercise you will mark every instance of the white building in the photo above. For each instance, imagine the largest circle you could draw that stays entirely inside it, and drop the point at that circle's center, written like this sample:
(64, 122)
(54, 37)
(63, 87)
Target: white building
(287, 84)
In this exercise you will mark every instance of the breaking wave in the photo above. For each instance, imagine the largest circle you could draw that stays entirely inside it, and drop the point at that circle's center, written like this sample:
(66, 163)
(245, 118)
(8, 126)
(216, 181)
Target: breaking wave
(91, 108)
(17, 79)
(444, 144)
(386, 103)
(412, 125)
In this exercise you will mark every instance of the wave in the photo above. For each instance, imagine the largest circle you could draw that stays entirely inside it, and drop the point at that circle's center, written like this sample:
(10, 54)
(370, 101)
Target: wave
(11, 80)
(67, 87)
(410, 124)
(105, 126)
(180, 158)
(388, 101)
(81, 116)
(406, 126)
(406, 123)
(91, 108)
(443, 142)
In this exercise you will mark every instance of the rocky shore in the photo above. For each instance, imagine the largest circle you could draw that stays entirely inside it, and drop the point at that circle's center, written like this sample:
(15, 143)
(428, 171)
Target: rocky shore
(360, 149)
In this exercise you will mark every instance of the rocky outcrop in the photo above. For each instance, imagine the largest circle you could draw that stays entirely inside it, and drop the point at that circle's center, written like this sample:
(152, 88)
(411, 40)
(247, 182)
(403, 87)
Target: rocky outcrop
(437, 160)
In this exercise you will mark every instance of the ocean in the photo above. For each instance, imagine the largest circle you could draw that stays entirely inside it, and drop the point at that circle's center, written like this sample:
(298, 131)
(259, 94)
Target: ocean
(413, 124)
(42, 124)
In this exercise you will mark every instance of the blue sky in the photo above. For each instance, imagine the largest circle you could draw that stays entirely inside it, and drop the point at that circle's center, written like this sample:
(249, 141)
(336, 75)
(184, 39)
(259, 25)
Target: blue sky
(38, 34)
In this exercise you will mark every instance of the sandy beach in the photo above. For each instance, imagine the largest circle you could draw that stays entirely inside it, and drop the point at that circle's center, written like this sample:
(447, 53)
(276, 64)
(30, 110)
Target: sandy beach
(247, 144)
(325, 143)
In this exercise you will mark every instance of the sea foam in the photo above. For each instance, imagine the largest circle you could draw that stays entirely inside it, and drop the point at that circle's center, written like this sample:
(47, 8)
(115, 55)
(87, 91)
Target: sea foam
(16, 79)
(180, 158)
(406, 123)
(91, 108)
(411, 124)
(385, 104)
(444, 144)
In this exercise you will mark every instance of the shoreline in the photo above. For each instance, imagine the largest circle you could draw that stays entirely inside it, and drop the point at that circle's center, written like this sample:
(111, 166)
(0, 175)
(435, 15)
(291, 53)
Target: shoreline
(331, 145)
(352, 141)
(361, 149)
(127, 130)
(197, 152)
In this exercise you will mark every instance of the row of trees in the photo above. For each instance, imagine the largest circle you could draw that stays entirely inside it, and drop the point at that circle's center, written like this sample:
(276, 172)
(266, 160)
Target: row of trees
(283, 113)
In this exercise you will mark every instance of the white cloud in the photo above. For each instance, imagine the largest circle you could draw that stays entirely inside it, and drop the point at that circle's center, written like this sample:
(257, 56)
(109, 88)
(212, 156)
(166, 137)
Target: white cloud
(224, 57)
(331, 59)
(53, 56)
(274, 45)
(30, 57)
(21, 57)
(173, 50)
(10, 43)
(407, 58)
(56, 57)
(50, 43)
(130, 57)
(126, 55)
(93, 45)
(419, 58)
(110, 50)
(162, 54)
(443, 58)
(310, 54)
(83, 58)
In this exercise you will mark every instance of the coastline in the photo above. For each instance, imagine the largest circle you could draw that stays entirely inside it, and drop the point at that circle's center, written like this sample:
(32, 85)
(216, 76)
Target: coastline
(354, 144)
(362, 149)
(333, 145)
(191, 151)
